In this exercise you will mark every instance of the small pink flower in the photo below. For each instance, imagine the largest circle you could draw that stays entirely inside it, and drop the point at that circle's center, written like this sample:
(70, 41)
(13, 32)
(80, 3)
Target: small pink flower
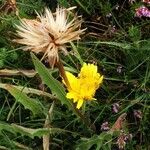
(122, 139)
(104, 126)
(115, 107)
(119, 69)
(146, 1)
(113, 29)
(138, 114)
(142, 11)
(121, 142)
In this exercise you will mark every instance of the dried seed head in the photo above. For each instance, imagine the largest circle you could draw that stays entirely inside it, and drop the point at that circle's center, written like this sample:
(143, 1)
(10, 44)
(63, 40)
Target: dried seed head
(49, 33)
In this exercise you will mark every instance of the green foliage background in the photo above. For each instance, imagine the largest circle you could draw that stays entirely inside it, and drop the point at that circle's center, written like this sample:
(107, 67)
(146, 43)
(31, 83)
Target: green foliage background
(123, 57)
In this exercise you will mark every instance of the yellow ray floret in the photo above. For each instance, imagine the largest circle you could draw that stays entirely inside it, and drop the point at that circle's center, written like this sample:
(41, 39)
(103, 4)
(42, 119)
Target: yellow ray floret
(83, 87)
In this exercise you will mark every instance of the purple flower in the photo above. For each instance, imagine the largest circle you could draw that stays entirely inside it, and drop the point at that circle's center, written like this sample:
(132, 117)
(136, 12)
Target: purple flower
(119, 69)
(115, 107)
(142, 11)
(113, 29)
(122, 139)
(104, 126)
(121, 142)
(146, 1)
(128, 137)
(138, 114)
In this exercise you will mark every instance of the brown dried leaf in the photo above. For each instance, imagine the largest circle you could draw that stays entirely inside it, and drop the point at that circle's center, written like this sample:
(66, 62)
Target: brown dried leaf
(28, 73)
(9, 6)
(118, 125)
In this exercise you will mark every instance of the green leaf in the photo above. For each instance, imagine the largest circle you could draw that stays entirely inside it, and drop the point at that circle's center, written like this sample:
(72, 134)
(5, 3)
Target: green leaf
(38, 132)
(28, 90)
(29, 103)
(52, 83)
(99, 141)
(7, 127)
(77, 55)
(82, 6)
(14, 128)
(122, 45)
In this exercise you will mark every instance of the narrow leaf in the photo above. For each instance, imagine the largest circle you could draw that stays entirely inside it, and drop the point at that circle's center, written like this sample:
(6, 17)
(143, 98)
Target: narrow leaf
(29, 103)
(52, 83)
(27, 90)
(38, 132)
(7, 127)
(122, 45)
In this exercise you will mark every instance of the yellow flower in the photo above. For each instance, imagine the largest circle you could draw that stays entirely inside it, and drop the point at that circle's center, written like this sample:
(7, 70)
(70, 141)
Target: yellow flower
(83, 87)
(49, 33)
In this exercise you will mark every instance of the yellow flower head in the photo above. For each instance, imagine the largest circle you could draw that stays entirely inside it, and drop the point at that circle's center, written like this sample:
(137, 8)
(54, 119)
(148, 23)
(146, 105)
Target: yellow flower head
(49, 33)
(83, 87)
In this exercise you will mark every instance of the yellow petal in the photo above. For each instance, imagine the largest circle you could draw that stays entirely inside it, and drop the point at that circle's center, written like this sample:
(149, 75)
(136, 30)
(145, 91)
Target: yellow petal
(101, 79)
(72, 95)
(79, 104)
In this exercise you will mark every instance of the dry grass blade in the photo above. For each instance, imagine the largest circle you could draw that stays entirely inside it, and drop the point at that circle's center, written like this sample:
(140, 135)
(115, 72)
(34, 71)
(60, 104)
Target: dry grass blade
(7, 72)
(46, 138)
(21, 146)
(3, 148)
(27, 90)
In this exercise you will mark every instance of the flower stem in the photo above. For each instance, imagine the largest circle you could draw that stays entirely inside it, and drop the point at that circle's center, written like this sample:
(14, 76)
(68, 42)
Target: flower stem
(78, 113)
(84, 119)
(62, 73)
